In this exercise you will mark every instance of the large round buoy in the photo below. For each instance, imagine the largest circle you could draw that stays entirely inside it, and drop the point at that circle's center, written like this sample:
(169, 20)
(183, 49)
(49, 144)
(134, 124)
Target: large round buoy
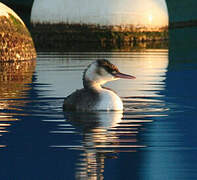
(107, 23)
(15, 40)
(101, 12)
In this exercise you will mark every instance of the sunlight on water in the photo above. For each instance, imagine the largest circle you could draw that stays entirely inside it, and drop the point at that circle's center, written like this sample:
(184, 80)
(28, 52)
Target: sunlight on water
(14, 77)
(105, 134)
(138, 142)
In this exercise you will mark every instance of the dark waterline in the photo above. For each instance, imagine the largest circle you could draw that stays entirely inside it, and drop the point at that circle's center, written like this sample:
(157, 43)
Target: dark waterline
(155, 137)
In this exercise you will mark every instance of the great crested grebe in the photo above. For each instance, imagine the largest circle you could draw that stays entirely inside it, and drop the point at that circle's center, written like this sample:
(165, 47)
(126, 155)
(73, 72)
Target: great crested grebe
(95, 97)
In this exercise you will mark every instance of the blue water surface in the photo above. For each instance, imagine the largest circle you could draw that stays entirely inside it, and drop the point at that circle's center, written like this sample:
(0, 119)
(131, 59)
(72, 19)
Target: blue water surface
(154, 138)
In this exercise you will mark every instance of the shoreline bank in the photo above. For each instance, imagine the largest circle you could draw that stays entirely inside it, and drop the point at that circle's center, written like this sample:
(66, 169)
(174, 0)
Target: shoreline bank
(59, 36)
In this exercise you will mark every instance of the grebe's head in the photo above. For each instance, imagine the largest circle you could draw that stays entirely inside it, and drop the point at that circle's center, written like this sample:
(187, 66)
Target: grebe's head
(101, 71)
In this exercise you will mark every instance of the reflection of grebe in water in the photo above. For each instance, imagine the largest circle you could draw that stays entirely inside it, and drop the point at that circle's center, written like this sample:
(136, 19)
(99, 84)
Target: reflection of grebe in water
(94, 120)
(97, 138)
(104, 135)
(93, 96)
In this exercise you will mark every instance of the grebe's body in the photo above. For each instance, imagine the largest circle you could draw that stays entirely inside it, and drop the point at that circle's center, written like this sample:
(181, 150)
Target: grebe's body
(93, 100)
(95, 97)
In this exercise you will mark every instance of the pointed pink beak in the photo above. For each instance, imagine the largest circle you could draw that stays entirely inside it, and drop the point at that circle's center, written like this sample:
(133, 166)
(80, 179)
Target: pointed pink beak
(124, 76)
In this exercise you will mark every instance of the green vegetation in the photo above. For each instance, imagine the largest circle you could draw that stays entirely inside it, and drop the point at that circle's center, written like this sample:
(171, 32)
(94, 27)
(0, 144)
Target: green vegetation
(18, 25)
(15, 20)
(59, 36)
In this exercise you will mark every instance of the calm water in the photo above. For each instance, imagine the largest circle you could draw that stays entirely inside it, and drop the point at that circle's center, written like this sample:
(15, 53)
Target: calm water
(155, 138)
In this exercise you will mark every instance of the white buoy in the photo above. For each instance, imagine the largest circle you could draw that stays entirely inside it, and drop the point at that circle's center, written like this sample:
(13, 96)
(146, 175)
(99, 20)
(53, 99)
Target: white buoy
(101, 12)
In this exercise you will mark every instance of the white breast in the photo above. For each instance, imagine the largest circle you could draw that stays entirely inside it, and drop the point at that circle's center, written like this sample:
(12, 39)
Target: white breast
(109, 101)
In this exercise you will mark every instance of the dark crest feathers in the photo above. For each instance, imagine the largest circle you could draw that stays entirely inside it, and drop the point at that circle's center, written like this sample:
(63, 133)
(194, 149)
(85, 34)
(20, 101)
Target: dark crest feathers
(109, 67)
